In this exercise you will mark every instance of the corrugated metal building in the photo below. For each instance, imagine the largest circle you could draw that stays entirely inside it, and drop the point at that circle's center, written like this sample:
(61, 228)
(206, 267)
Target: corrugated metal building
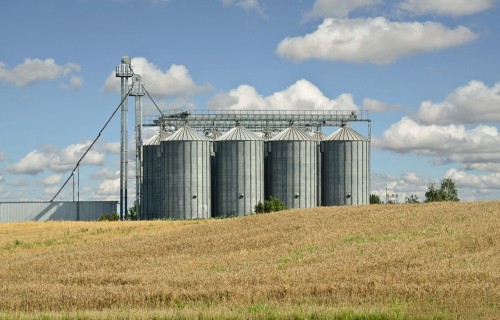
(57, 210)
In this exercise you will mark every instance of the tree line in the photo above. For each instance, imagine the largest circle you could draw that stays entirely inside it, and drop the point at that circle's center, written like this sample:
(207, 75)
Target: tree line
(446, 192)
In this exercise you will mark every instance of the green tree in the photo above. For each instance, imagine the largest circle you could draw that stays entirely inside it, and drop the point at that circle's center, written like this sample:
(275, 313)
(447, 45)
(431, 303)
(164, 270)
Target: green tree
(375, 199)
(132, 213)
(413, 198)
(446, 192)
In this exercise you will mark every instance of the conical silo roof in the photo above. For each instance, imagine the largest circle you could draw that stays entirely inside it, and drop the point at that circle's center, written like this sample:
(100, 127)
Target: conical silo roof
(157, 138)
(345, 134)
(214, 134)
(187, 134)
(292, 134)
(318, 136)
(240, 134)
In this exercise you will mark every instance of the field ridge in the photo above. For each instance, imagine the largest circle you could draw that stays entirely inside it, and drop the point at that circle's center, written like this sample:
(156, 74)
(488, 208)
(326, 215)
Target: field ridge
(436, 260)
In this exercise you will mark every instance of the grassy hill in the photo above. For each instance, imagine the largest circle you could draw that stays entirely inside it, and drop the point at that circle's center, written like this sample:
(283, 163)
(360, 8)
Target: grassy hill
(438, 260)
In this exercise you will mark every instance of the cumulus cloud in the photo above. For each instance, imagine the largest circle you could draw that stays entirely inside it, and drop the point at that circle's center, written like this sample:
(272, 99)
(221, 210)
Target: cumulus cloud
(472, 103)
(338, 8)
(374, 39)
(109, 188)
(75, 83)
(451, 143)
(446, 7)
(247, 5)
(18, 182)
(36, 70)
(32, 163)
(105, 174)
(58, 160)
(51, 180)
(176, 81)
(300, 95)
(378, 106)
(468, 180)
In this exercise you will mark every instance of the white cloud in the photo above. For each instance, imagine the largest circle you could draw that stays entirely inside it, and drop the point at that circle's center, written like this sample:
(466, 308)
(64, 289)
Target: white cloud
(59, 160)
(446, 7)
(489, 166)
(105, 174)
(1, 178)
(109, 188)
(472, 103)
(75, 83)
(374, 39)
(468, 180)
(2, 156)
(176, 81)
(35, 70)
(18, 182)
(338, 8)
(66, 159)
(378, 106)
(32, 163)
(247, 5)
(112, 147)
(452, 143)
(300, 95)
(51, 180)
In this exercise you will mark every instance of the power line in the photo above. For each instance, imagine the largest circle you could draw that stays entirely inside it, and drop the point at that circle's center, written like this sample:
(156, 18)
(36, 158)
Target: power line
(92, 144)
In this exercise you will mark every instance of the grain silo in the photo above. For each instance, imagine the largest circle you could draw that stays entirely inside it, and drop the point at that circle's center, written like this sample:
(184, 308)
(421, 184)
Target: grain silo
(292, 160)
(151, 194)
(239, 157)
(346, 168)
(318, 136)
(185, 175)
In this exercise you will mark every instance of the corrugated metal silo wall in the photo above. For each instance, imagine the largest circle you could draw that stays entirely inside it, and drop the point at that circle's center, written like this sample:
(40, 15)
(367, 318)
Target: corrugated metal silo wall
(345, 171)
(57, 210)
(318, 173)
(240, 176)
(213, 177)
(185, 179)
(151, 195)
(292, 172)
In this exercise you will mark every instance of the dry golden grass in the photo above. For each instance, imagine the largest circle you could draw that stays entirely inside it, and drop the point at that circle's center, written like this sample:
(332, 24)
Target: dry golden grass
(369, 262)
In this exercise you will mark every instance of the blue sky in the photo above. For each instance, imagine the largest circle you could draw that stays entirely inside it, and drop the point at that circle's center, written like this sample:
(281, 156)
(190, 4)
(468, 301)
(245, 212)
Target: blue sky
(428, 72)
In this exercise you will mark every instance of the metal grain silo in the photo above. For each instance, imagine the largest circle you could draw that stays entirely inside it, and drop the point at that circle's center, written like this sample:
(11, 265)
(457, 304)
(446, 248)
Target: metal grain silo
(151, 194)
(185, 175)
(345, 168)
(239, 156)
(292, 160)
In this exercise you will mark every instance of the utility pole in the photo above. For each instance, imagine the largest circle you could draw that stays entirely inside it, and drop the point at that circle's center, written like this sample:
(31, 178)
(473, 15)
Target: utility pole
(124, 72)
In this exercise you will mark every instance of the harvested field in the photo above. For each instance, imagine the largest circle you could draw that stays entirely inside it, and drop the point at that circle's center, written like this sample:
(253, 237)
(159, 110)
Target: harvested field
(370, 262)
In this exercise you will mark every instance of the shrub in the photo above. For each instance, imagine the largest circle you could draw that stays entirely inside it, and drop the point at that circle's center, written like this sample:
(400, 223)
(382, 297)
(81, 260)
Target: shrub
(109, 217)
(271, 205)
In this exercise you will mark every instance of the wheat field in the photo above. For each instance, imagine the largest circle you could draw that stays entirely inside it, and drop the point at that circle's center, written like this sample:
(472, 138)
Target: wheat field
(420, 261)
